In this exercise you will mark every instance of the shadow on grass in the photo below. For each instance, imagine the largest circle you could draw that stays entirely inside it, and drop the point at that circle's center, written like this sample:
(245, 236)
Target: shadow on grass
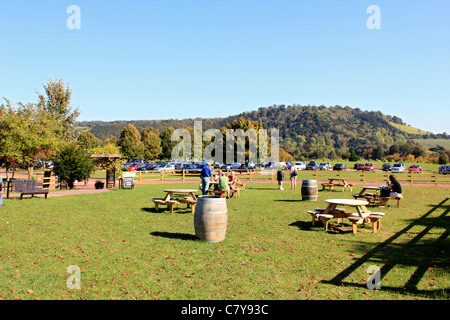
(424, 254)
(165, 210)
(174, 235)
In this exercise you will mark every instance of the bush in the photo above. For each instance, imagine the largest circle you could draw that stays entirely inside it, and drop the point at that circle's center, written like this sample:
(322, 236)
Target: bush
(73, 164)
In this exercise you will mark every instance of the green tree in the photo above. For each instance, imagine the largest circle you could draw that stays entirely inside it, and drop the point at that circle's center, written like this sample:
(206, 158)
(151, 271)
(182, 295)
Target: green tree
(167, 144)
(27, 134)
(353, 157)
(56, 101)
(130, 142)
(152, 143)
(443, 158)
(72, 164)
(86, 140)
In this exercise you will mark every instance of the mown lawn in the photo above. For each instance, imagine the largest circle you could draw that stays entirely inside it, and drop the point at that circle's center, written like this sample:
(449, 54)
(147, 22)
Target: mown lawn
(126, 250)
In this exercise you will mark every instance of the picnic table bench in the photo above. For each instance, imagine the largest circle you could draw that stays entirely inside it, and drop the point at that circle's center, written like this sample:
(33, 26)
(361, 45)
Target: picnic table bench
(337, 182)
(374, 198)
(362, 215)
(170, 201)
(28, 187)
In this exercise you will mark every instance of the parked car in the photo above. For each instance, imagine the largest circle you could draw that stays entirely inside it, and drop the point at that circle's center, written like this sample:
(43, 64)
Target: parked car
(164, 167)
(39, 165)
(398, 167)
(133, 167)
(357, 165)
(300, 165)
(368, 166)
(312, 165)
(415, 168)
(141, 167)
(49, 165)
(288, 165)
(339, 166)
(386, 167)
(325, 166)
(248, 165)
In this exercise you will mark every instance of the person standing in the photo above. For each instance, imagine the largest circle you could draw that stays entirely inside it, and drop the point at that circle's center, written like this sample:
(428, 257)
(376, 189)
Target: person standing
(280, 174)
(205, 175)
(293, 177)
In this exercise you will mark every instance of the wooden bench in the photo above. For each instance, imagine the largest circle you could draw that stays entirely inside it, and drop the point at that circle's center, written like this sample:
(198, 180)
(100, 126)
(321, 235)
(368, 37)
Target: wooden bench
(28, 187)
(190, 202)
(337, 213)
(384, 201)
(373, 217)
(168, 203)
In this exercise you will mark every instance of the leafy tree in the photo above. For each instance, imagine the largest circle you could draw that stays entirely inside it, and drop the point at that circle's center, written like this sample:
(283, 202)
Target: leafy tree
(152, 143)
(56, 101)
(86, 140)
(130, 142)
(27, 134)
(353, 157)
(72, 164)
(108, 148)
(443, 158)
(167, 144)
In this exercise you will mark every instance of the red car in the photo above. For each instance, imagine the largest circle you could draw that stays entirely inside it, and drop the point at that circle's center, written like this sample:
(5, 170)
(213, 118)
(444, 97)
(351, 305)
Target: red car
(415, 167)
(369, 166)
(133, 167)
(359, 166)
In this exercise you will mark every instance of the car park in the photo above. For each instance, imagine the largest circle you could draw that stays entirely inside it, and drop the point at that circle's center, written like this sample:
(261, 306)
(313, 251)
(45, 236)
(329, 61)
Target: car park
(415, 168)
(398, 167)
(368, 166)
(312, 165)
(339, 166)
(386, 167)
(444, 169)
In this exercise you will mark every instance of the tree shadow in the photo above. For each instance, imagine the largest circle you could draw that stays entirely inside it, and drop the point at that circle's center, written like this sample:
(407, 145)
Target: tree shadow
(418, 252)
(174, 235)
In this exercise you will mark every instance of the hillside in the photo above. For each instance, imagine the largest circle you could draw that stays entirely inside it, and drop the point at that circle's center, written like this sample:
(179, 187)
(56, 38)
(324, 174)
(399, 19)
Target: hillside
(302, 128)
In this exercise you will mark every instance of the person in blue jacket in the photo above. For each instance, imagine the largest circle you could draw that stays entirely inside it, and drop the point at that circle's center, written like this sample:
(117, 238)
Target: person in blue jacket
(205, 175)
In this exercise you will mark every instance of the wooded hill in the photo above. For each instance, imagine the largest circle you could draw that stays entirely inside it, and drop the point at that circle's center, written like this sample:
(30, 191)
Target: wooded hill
(327, 131)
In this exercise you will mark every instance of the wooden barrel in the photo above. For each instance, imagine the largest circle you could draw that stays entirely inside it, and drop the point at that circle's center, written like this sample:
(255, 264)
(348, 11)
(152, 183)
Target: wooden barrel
(211, 218)
(309, 190)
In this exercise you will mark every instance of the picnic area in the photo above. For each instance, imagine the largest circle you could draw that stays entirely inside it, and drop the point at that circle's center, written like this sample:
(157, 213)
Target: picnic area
(127, 249)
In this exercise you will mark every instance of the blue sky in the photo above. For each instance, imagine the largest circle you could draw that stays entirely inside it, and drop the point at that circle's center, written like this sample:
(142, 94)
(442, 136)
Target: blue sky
(175, 59)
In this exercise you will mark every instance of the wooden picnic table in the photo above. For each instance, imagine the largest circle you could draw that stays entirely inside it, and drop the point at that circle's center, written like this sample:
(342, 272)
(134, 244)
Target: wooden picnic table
(170, 201)
(362, 215)
(337, 182)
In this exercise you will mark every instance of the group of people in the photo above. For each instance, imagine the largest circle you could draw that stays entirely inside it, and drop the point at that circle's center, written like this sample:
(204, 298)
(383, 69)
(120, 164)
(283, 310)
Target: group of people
(224, 182)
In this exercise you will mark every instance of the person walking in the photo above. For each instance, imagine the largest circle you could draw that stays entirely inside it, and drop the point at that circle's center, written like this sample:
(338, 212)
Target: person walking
(293, 177)
(205, 175)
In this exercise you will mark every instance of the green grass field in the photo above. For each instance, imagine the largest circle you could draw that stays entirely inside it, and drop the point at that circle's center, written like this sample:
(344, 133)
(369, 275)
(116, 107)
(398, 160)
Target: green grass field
(126, 250)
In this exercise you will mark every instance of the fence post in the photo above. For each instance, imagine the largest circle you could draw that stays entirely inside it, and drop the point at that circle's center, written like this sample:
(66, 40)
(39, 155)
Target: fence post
(162, 175)
(317, 175)
(140, 181)
(250, 178)
(183, 175)
(435, 178)
(412, 174)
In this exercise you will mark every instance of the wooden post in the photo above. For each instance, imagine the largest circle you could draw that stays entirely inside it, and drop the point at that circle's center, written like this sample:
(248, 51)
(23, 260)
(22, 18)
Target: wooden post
(412, 174)
(435, 178)
(162, 175)
(364, 177)
(140, 177)
(250, 178)
(183, 175)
